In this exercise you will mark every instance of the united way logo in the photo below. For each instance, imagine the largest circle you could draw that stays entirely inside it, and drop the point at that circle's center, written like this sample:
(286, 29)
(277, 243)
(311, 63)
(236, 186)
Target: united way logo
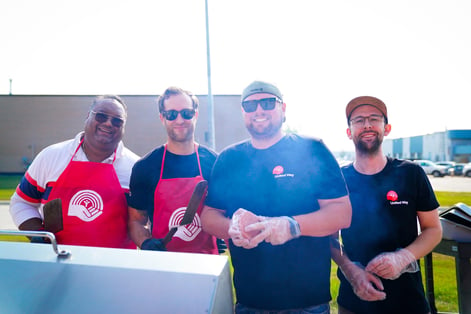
(86, 205)
(278, 170)
(187, 232)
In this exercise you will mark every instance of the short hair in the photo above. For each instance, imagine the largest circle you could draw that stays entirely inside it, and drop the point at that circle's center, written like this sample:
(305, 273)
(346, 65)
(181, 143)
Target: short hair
(112, 97)
(172, 91)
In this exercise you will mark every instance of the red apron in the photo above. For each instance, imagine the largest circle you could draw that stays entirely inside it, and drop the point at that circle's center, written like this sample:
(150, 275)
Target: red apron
(170, 200)
(95, 210)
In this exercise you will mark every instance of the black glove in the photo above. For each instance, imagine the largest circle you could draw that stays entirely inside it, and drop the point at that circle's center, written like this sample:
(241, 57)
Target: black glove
(222, 247)
(40, 240)
(152, 244)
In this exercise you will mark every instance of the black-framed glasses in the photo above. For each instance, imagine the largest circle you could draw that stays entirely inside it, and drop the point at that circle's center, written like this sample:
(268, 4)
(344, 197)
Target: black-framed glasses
(101, 117)
(373, 120)
(186, 114)
(265, 103)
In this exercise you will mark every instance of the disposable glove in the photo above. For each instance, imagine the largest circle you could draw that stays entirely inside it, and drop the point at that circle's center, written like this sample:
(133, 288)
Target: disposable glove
(153, 244)
(391, 265)
(277, 230)
(366, 285)
(238, 229)
(222, 247)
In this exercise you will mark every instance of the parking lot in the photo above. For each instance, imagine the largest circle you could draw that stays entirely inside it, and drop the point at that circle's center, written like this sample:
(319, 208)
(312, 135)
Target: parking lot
(451, 183)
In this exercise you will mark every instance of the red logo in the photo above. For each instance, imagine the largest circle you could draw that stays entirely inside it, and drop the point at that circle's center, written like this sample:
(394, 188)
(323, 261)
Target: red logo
(391, 196)
(278, 170)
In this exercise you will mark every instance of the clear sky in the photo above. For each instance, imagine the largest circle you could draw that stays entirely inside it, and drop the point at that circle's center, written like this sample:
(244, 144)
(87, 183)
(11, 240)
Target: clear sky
(415, 55)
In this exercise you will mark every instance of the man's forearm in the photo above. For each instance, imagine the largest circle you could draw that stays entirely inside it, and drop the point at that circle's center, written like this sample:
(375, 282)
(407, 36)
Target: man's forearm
(331, 217)
(137, 226)
(32, 224)
(215, 223)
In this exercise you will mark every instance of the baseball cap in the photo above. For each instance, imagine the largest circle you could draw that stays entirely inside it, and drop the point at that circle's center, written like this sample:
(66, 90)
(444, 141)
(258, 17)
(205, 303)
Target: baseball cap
(257, 87)
(363, 101)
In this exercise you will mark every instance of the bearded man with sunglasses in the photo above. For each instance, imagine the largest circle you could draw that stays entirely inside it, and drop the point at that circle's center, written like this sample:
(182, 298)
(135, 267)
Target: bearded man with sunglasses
(90, 174)
(378, 268)
(162, 181)
(277, 197)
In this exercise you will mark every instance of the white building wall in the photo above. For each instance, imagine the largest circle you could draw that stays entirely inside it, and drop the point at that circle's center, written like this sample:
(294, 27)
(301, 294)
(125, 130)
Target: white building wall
(388, 147)
(406, 148)
(434, 146)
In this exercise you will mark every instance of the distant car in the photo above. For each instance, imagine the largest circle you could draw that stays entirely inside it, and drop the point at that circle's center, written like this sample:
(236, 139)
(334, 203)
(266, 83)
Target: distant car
(454, 168)
(458, 169)
(467, 170)
(432, 168)
(450, 166)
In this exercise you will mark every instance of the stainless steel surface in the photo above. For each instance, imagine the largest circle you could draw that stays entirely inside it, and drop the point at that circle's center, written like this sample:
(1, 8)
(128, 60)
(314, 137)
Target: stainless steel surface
(103, 280)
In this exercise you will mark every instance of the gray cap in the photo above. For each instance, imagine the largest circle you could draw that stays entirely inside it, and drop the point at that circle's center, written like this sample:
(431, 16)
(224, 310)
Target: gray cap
(258, 87)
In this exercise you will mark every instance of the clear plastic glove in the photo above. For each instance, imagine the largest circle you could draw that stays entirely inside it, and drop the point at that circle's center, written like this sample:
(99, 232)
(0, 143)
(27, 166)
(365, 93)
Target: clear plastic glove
(277, 230)
(391, 265)
(366, 285)
(238, 229)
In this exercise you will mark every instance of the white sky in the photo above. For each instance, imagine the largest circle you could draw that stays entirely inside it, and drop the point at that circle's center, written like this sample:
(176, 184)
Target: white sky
(415, 55)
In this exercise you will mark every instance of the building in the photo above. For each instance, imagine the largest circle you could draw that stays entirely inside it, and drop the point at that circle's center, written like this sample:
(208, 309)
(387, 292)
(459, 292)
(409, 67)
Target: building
(29, 123)
(453, 145)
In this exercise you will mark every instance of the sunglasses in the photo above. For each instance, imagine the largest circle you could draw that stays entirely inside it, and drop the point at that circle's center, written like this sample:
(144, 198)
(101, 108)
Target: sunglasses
(265, 103)
(186, 114)
(101, 117)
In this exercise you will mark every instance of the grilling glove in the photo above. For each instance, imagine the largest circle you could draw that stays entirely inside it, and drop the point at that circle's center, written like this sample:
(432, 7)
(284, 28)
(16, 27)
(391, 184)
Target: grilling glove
(39, 239)
(222, 247)
(391, 265)
(153, 244)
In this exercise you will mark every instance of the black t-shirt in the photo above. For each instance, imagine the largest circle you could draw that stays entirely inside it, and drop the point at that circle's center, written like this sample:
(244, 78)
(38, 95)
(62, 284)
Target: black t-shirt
(384, 219)
(146, 174)
(285, 179)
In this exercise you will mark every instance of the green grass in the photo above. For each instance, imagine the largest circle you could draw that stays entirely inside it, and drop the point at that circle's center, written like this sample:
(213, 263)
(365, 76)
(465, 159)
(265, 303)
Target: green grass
(446, 298)
(450, 198)
(8, 185)
(9, 181)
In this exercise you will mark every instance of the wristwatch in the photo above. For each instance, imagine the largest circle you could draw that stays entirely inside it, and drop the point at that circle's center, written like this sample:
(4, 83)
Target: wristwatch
(294, 228)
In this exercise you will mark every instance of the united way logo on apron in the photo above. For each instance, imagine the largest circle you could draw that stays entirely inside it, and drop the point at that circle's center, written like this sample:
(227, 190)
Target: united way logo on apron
(187, 232)
(86, 205)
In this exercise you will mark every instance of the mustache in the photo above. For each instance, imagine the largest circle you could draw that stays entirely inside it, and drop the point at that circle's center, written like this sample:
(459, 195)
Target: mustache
(369, 132)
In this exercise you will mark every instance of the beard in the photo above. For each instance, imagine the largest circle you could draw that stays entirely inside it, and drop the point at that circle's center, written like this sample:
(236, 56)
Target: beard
(368, 148)
(181, 135)
(264, 132)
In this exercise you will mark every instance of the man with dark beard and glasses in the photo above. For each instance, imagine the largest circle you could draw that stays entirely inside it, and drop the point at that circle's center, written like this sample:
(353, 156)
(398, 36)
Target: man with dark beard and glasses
(162, 181)
(278, 197)
(378, 267)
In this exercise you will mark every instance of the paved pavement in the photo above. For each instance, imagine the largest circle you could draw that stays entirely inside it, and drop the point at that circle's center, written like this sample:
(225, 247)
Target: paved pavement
(451, 184)
(6, 222)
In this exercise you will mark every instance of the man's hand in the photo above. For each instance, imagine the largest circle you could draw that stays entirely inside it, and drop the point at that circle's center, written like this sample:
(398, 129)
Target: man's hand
(238, 231)
(153, 244)
(277, 230)
(391, 265)
(366, 285)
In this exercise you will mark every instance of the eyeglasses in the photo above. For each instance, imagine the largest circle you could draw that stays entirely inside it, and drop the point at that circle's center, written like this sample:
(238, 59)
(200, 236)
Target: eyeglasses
(101, 117)
(373, 120)
(186, 114)
(265, 103)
